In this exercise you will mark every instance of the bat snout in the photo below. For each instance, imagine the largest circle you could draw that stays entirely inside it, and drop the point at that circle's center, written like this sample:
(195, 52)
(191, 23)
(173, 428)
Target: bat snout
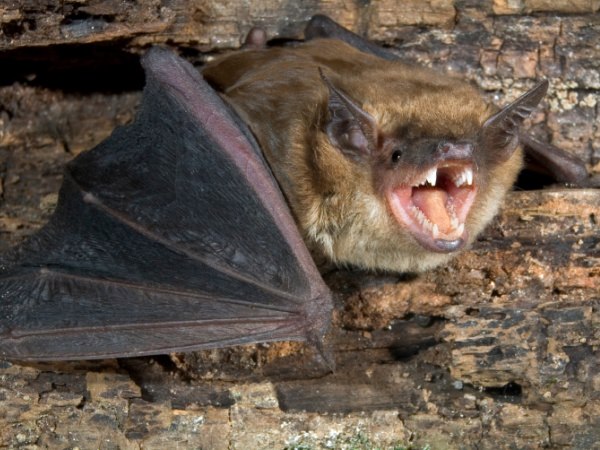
(449, 150)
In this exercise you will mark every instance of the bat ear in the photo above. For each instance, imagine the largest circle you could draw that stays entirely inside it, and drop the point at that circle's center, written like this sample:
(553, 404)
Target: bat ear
(500, 133)
(350, 128)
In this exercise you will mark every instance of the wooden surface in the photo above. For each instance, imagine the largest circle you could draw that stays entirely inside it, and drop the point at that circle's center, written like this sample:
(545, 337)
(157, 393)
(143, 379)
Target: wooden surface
(498, 350)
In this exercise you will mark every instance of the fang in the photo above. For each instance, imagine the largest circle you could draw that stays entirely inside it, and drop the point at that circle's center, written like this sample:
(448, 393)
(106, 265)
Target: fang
(431, 176)
(469, 174)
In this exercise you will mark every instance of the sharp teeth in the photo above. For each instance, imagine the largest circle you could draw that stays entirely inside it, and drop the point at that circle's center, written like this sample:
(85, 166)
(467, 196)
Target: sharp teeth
(423, 220)
(459, 180)
(418, 214)
(466, 176)
(431, 176)
(454, 223)
(469, 175)
(435, 232)
(456, 227)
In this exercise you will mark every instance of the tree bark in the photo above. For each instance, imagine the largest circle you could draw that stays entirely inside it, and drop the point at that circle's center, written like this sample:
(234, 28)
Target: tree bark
(500, 349)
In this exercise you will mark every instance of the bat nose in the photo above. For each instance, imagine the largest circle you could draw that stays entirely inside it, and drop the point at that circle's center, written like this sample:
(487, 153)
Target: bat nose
(454, 150)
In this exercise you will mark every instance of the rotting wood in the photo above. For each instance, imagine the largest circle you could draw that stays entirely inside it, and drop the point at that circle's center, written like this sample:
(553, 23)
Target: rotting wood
(513, 350)
(499, 349)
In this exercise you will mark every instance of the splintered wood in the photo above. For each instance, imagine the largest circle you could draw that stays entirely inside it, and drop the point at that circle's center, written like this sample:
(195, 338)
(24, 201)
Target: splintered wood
(512, 348)
(498, 350)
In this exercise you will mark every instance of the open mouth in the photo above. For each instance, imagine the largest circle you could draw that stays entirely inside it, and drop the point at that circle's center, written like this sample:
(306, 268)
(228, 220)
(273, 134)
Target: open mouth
(435, 207)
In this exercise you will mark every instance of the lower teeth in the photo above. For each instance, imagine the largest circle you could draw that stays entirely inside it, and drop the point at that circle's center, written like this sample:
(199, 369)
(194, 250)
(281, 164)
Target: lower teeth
(456, 228)
(435, 232)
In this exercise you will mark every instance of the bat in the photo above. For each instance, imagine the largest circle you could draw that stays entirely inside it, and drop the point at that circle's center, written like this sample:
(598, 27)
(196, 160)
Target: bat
(385, 166)
(171, 235)
(175, 234)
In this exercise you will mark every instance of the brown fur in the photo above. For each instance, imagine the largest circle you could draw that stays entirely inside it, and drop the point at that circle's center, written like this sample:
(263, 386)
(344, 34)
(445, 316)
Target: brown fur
(336, 202)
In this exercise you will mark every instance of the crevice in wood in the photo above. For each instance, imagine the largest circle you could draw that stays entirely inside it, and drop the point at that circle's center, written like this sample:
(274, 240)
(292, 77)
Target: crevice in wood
(511, 392)
(75, 69)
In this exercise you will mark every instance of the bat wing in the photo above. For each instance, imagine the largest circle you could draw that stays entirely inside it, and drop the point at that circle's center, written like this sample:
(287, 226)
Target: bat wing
(320, 26)
(171, 235)
(561, 165)
(564, 167)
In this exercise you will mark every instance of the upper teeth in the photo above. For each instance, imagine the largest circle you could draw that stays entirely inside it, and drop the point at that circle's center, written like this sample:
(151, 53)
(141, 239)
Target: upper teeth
(465, 176)
(431, 176)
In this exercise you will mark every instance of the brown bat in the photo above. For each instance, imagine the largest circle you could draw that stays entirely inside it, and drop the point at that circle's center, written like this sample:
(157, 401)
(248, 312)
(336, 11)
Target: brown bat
(173, 235)
(385, 165)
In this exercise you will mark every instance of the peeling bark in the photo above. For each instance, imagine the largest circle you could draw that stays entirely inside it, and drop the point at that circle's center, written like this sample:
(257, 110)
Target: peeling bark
(500, 349)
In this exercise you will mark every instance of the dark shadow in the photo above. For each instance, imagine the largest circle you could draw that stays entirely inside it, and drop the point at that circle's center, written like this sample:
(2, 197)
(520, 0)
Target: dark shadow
(77, 69)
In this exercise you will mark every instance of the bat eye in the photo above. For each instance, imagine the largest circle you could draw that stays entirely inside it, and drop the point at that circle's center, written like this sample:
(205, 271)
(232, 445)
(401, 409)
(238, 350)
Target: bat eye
(396, 156)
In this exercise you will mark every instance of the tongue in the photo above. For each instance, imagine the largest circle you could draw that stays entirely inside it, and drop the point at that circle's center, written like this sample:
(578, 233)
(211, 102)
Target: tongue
(433, 204)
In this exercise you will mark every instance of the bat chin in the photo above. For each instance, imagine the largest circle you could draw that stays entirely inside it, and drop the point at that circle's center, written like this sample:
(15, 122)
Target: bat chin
(435, 206)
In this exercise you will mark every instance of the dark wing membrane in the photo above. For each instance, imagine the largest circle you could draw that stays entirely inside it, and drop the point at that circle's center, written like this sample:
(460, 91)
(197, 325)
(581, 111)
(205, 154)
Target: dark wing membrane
(171, 235)
(563, 166)
(320, 26)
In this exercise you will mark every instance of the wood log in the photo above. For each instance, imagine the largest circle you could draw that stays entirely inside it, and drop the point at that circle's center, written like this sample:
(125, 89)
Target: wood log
(500, 349)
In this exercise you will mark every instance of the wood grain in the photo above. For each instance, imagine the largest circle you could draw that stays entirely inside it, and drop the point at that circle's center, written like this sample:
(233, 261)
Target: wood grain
(498, 350)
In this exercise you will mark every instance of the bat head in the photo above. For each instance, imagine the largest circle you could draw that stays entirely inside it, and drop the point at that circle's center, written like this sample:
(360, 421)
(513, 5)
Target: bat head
(439, 187)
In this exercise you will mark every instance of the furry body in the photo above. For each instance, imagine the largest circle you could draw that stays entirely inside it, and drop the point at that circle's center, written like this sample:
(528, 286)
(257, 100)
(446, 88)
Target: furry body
(339, 202)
